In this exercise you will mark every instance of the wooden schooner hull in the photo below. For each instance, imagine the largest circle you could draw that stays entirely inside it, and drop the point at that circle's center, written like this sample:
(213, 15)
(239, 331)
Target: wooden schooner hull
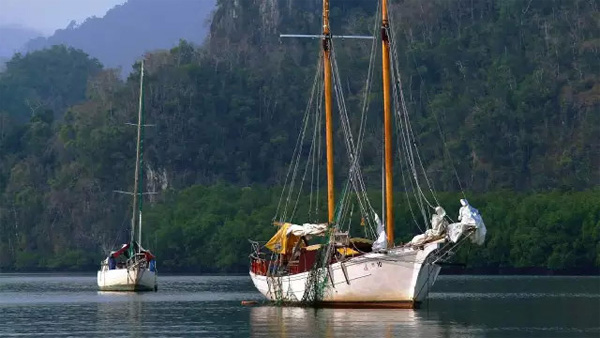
(127, 280)
(400, 278)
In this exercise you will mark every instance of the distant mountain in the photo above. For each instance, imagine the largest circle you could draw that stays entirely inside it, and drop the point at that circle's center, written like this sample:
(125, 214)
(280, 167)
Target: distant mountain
(127, 31)
(12, 38)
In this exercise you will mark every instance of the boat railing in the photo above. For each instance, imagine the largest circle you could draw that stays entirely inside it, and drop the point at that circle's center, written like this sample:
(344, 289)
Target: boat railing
(341, 238)
(255, 252)
(138, 260)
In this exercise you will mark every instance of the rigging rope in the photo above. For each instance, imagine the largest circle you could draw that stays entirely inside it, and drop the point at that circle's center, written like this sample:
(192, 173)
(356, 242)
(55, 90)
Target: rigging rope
(315, 158)
(446, 151)
(294, 164)
(408, 138)
(406, 150)
(353, 149)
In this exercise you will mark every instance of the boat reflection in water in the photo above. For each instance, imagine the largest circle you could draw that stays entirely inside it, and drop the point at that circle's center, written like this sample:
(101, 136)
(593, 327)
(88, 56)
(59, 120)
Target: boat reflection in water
(119, 314)
(273, 321)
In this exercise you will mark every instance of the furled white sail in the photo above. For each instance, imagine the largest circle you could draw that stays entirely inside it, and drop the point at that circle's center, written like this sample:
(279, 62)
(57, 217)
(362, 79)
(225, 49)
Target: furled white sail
(307, 229)
(469, 218)
(381, 242)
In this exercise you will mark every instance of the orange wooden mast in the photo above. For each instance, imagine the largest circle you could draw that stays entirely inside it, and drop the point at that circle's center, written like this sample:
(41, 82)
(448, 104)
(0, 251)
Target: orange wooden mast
(387, 127)
(328, 111)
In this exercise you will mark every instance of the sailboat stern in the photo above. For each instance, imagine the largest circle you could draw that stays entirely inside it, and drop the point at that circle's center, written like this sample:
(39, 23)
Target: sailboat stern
(127, 280)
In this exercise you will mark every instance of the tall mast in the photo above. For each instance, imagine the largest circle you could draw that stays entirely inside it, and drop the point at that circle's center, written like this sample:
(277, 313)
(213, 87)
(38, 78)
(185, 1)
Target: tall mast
(328, 110)
(387, 120)
(141, 154)
(137, 185)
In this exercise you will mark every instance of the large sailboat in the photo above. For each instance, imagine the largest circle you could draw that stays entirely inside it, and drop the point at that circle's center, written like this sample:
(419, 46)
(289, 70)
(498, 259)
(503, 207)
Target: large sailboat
(131, 267)
(342, 271)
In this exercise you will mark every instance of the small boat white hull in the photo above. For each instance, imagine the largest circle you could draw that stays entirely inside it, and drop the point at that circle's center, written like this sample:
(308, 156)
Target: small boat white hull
(402, 277)
(127, 280)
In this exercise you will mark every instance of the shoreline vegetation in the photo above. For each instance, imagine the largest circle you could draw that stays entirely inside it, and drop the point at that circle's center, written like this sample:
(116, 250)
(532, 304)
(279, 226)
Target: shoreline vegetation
(205, 229)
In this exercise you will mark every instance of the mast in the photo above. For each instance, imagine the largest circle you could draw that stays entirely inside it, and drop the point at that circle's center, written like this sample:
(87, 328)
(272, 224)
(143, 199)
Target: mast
(387, 119)
(141, 154)
(328, 110)
(137, 185)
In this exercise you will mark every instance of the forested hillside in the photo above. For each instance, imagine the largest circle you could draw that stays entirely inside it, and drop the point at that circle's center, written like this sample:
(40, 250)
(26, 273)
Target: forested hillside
(507, 93)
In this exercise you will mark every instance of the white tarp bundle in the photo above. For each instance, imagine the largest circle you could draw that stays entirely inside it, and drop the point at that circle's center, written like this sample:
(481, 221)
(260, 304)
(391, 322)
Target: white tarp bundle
(438, 222)
(469, 218)
(438, 228)
(381, 242)
(307, 229)
(455, 230)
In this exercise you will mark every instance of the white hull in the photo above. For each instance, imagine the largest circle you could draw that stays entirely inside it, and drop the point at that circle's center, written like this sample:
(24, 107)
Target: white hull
(398, 278)
(127, 280)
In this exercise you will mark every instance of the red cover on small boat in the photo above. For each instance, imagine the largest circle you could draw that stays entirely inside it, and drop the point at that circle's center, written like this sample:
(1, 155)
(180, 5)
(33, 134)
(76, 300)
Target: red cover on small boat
(120, 251)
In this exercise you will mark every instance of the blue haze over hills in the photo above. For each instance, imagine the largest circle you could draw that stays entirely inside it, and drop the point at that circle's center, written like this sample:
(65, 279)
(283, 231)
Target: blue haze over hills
(124, 34)
(12, 39)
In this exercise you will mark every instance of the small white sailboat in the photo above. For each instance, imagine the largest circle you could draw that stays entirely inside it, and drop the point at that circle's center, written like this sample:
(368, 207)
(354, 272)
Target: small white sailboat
(358, 272)
(132, 268)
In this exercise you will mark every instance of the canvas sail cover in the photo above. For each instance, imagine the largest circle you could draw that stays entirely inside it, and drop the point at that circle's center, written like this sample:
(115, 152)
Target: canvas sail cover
(347, 251)
(129, 249)
(381, 242)
(122, 250)
(289, 234)
(469, 218)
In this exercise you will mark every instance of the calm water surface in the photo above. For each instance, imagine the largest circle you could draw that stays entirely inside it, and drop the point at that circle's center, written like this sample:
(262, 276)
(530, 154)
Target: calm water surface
(209, 306)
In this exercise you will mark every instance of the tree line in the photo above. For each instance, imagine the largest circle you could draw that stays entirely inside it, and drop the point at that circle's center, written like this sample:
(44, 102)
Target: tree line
(206, 228)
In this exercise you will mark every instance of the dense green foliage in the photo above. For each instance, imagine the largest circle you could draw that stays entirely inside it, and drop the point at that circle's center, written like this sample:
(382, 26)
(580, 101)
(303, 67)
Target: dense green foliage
(505, 92)
(53, 79)
(554, 230)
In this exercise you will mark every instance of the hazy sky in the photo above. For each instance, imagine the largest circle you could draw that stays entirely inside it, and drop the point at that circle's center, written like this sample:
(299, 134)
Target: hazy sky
(47, 16)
